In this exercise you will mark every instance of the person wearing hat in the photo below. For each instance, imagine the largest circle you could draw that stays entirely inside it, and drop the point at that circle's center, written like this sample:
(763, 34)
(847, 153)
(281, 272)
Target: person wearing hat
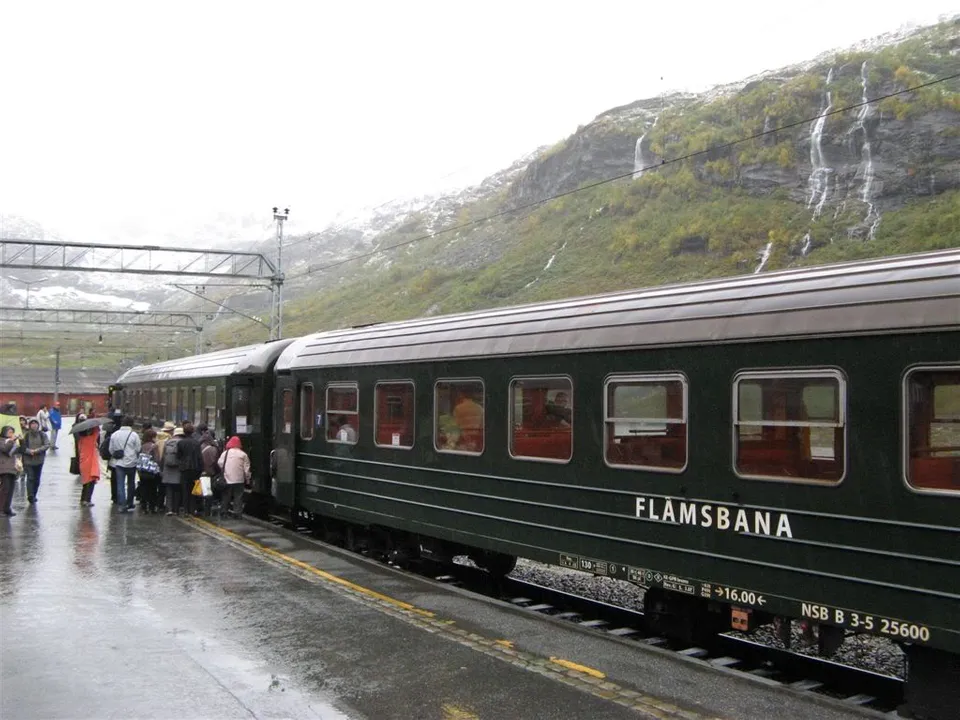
(33, 448)
(163, 434)
(170, 472)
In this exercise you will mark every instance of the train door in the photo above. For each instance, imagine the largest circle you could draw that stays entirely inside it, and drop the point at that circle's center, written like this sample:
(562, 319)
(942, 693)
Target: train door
(283, 461)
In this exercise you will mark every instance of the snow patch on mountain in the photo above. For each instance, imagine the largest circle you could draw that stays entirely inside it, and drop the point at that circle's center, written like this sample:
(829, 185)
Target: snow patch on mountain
(57, 296)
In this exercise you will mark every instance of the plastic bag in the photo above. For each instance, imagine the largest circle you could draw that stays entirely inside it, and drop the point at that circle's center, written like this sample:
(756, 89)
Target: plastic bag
(206, 488)
(197, 488)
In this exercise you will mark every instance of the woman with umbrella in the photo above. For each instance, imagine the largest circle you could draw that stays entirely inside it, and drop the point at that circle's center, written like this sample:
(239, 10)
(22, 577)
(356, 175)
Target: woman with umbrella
(87, 436)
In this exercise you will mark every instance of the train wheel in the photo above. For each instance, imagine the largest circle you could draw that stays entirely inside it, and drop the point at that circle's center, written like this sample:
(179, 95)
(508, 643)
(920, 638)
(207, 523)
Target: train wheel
(497, 564)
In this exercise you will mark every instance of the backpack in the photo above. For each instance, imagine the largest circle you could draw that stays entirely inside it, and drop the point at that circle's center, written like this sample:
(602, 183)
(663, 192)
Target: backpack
(170, 454)
(147, 465)
(105, 446)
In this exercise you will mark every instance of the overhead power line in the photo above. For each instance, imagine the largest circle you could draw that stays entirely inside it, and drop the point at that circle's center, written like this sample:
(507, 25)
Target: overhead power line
(621, 176)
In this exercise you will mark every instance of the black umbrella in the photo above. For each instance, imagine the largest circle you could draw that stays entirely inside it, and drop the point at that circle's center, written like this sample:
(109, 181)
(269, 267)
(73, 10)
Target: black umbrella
(84, 425)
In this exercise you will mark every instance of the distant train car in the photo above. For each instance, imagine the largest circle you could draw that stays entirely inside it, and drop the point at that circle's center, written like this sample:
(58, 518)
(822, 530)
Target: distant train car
(229, 390)
(784, 445)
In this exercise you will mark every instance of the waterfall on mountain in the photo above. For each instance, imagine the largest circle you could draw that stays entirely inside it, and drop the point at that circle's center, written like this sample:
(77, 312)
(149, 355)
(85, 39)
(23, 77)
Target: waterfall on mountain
(807, 244)
(819, 180)
(638, 164)
(764, 256)
(872, 220)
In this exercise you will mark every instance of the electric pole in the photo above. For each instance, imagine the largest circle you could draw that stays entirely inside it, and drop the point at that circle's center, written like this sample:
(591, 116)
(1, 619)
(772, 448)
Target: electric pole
(56, 379)
(276, 316)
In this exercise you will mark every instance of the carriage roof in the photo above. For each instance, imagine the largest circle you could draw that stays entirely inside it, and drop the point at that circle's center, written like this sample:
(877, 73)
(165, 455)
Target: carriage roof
(891, 295)
(246, 360)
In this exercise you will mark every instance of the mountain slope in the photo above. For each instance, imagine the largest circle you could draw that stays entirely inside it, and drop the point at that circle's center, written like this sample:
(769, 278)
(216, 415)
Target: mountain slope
(875, 179)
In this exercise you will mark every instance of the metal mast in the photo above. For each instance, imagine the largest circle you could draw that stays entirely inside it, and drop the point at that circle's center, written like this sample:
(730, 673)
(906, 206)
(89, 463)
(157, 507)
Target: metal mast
(276, 282)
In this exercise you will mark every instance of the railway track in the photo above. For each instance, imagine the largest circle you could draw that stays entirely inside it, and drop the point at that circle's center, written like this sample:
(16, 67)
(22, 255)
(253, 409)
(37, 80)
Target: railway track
(791, 670)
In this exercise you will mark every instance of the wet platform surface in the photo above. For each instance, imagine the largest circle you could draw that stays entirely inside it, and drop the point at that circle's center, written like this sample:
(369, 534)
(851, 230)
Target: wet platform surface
(104, 615)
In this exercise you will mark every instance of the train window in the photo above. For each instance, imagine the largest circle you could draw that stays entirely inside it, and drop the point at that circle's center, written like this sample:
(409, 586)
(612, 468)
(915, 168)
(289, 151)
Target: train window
(394, 417)
(342, 415)
(931, 399)
(286, 409)
(790, 426)
(246, 410)
(183, 410)
(196, 404)
(645, 422)
(458, 416)
(541, 418)
(210, 407)
(307, 411)
(154, 405)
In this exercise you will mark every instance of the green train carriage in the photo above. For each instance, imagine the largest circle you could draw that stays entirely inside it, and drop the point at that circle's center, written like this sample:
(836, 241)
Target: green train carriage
(781, 445)
(229, 390)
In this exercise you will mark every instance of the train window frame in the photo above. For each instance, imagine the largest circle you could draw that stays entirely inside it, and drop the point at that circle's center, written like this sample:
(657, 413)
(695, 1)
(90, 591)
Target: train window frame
(307, 428)
(436, 416)
(833, 373)
(376, 413)
(510, 418)
(905, 429)
(668, 376)
(326, 411)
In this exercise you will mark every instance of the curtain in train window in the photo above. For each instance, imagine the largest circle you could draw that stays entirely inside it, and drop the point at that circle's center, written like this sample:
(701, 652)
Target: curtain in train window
(286, 410)
(196, 405)
(645, 422)
(394, 414)
(932, 411)
(541, 418)
(307, 411)
(790, 425)
(342, 415)
(459, 416)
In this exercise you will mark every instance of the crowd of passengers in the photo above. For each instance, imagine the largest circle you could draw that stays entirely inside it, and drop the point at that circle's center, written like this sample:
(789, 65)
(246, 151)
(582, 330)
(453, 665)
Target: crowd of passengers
(159, 468)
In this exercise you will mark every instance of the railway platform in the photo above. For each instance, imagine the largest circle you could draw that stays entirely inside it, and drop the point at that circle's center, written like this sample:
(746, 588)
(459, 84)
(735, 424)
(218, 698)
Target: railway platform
(113, 615)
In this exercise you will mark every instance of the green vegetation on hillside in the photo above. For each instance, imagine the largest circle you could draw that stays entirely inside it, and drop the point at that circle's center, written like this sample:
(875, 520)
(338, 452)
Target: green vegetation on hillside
(682, 221)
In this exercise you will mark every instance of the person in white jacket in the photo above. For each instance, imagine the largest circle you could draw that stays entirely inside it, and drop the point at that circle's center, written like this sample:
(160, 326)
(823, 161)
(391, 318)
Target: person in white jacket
(235, 464)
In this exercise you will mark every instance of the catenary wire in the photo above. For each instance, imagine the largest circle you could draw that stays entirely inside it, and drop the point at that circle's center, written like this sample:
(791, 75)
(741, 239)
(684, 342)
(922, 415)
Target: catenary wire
(621, 176)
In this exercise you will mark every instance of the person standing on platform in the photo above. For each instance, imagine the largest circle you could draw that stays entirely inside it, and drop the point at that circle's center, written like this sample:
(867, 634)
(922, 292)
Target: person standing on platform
(33, 447)
(190, 459)
(8, 468)
(43, 417)
(149, 481)
(109, 430)
(124, 453)
(56, 422)
(170, 472)
(236, 471)
(88, 451)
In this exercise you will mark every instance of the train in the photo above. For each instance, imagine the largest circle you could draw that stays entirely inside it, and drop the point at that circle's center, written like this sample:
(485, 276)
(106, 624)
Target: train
(749, 450)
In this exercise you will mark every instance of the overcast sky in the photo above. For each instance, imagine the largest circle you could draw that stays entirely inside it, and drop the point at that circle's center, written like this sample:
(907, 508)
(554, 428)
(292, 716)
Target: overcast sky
(121, 121)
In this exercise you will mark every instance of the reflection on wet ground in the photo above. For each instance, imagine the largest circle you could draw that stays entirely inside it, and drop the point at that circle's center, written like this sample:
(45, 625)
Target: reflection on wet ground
(109, 615)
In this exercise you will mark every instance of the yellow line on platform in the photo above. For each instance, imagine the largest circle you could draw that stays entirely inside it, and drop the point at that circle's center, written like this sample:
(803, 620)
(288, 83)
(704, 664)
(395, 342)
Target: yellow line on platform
(570, 665)
(585, 678)
(455, 712)
(310, 568)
